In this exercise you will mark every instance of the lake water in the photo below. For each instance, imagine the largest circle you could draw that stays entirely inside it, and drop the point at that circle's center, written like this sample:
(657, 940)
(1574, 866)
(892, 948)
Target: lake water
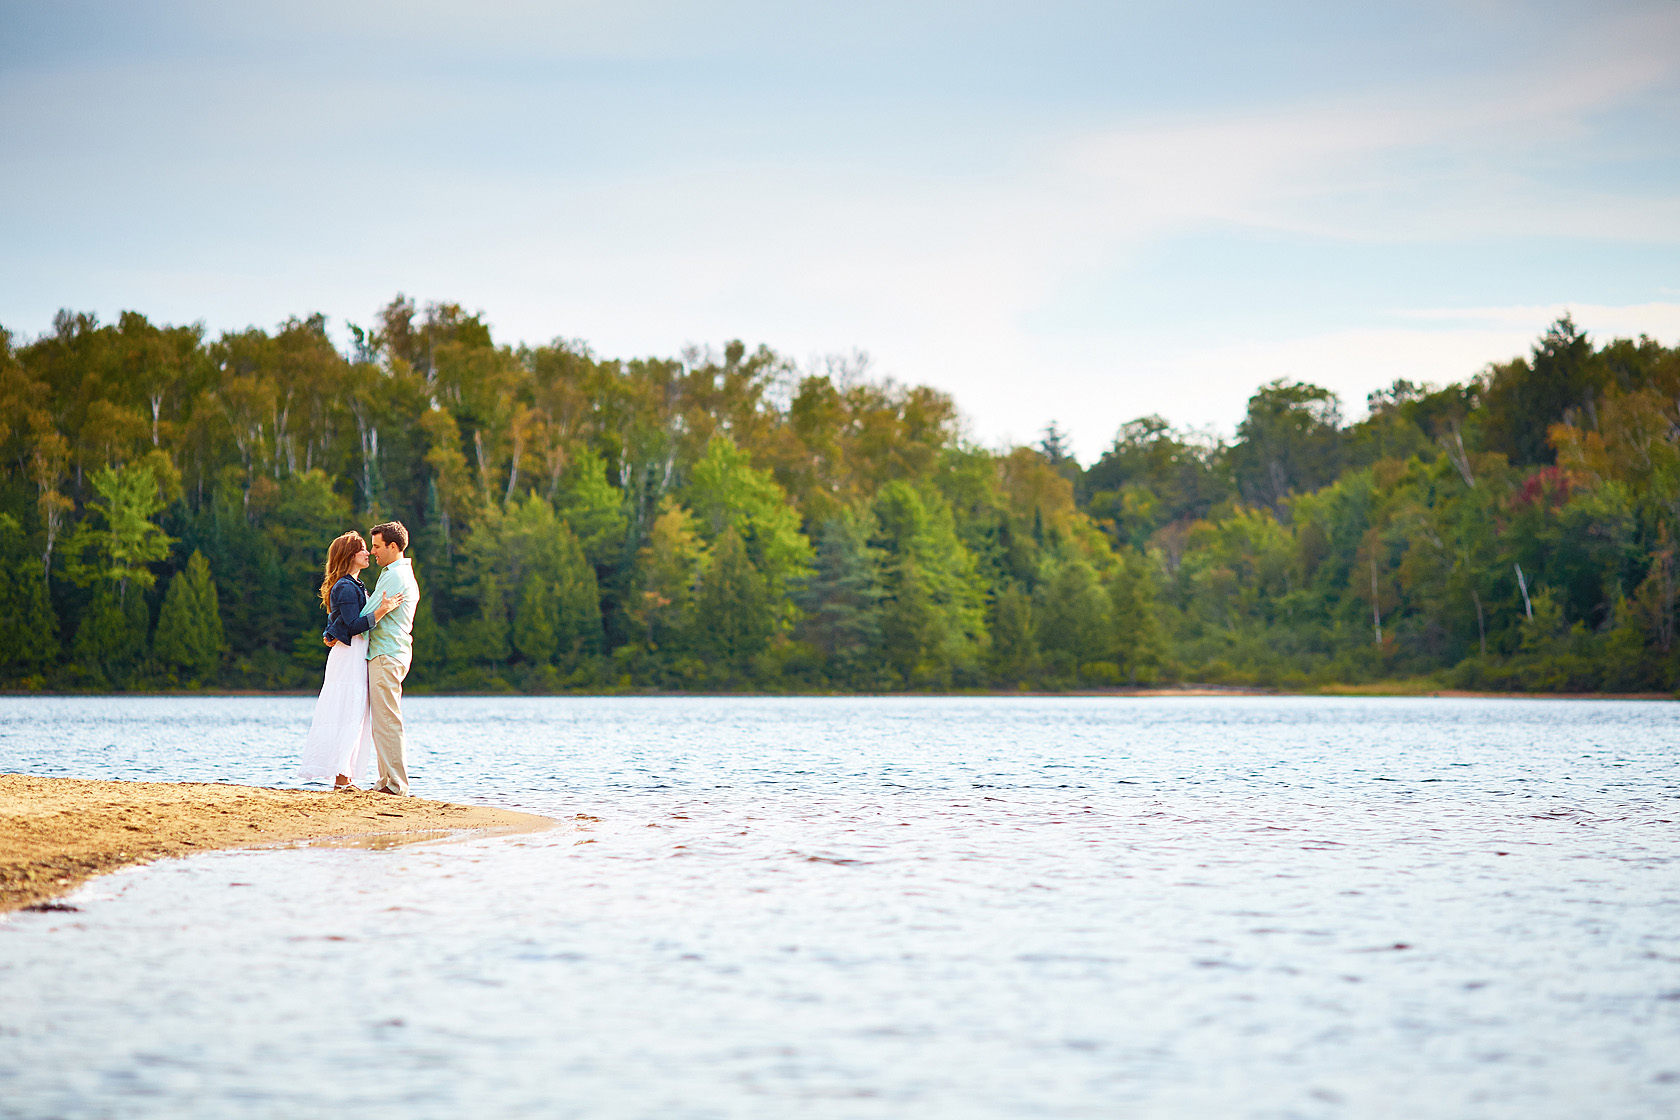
(885, 907)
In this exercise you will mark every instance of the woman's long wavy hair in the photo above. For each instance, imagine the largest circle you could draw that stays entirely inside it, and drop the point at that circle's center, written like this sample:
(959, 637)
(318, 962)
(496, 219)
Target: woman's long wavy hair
(339, 555)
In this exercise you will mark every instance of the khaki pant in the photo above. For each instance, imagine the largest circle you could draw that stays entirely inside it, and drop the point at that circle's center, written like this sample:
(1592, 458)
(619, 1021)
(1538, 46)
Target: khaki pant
(385, 677)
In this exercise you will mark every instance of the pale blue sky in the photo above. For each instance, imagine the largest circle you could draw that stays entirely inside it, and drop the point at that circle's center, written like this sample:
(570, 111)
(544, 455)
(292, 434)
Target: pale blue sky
(1080, 212)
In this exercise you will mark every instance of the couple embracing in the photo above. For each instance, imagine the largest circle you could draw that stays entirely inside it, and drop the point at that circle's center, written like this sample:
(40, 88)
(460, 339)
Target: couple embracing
(371, 645)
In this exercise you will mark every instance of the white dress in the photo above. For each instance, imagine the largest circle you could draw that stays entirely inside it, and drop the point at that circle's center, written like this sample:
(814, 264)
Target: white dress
(341, 735)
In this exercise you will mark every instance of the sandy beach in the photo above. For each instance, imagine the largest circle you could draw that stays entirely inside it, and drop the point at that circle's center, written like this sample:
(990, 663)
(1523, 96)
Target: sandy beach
(56, 833)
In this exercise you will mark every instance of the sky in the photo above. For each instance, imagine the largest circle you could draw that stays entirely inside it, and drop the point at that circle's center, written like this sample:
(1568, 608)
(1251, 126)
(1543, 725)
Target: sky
(1070, 212)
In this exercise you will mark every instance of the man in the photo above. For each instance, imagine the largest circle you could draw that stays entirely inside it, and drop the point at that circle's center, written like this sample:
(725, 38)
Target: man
(390, 651)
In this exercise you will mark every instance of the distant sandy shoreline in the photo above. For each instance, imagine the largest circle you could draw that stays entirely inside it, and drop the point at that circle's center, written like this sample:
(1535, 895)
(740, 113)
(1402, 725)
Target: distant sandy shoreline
(56, 833)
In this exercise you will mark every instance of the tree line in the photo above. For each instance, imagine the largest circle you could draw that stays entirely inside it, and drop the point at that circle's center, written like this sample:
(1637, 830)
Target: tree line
(728, 520)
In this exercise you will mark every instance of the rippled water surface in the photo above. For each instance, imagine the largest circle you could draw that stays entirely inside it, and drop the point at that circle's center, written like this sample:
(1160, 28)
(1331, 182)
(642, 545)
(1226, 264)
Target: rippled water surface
(885, 908)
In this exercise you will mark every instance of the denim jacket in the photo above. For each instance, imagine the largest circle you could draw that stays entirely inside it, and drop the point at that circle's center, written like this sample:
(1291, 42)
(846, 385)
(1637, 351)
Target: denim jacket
(348, 597)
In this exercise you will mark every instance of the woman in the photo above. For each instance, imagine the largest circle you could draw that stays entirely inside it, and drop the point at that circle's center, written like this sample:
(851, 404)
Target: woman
(341, 735)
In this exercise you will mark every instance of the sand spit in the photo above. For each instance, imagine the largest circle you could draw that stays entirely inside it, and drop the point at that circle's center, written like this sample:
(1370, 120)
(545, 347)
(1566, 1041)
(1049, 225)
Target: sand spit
(57, 832)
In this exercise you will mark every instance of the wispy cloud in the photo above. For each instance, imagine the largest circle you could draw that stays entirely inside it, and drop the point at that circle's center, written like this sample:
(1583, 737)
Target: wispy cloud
(1476, 155)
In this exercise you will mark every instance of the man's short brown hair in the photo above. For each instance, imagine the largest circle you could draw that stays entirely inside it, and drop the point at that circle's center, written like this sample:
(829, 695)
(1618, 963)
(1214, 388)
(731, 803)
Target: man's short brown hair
(392, 532)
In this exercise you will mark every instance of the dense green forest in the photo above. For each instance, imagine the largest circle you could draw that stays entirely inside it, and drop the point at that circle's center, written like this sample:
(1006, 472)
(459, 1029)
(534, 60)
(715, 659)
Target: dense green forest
(730, 521)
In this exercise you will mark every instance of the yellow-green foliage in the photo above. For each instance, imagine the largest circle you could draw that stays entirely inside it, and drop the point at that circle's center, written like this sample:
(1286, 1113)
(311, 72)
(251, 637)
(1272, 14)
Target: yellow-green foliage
(729, 521)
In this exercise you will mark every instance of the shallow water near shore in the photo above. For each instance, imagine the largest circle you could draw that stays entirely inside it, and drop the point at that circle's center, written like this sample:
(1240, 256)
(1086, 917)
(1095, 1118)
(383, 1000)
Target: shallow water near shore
(885, 907)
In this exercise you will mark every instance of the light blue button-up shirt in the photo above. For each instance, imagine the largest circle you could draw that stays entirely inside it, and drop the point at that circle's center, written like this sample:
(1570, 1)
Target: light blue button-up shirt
(393, 635)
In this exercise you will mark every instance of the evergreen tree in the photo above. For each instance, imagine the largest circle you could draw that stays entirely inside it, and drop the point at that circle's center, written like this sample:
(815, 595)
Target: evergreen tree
(726, 492)
(111, 636)
(577, 605)
(733, 622)
(189, 638)
(28, 623)
(431, 651)
(481, 639)
(593, 509)
(534, 618)
(912, 629)
(1139, 645)
(251, 582)
(933, 614)
(557, 616)
(1071, 614)
(1014, 654)
(842, 599)
(1525, 399)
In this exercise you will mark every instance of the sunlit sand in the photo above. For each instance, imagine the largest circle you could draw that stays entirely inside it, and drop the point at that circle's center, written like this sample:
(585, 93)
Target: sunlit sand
(57, 832)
